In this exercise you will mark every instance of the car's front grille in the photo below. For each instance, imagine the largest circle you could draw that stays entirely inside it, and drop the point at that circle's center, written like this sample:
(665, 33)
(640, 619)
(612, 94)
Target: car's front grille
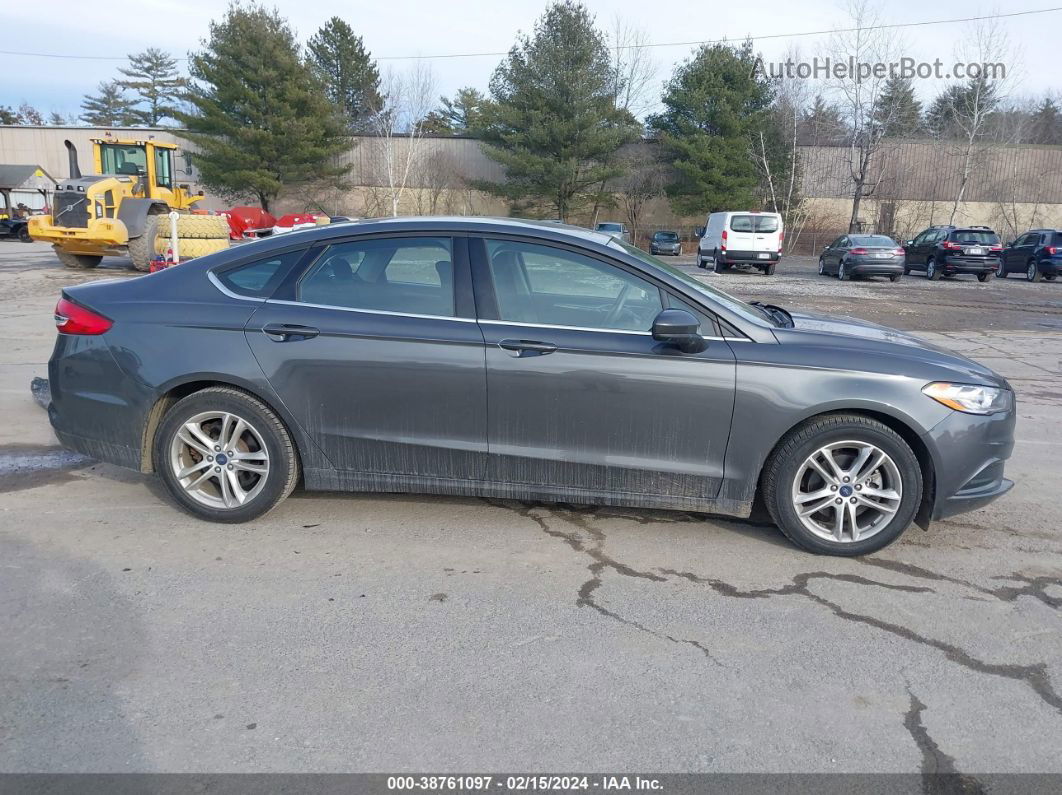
(70, 209)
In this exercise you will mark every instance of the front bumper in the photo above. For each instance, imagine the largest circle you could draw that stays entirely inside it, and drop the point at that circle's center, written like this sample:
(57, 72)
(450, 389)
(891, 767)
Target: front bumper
(970, 453)
(675, 250)
(101, 236)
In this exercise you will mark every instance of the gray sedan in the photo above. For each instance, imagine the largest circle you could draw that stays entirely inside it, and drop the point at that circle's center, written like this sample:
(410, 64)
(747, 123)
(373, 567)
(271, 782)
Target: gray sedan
(520, 360)
(852, 256)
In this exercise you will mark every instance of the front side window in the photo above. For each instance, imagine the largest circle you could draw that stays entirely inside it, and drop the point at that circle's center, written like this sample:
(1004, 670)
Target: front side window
(753, 223)
(163, 177)
(123, 159)
(259, 279)
(404, 275)
(542, 285)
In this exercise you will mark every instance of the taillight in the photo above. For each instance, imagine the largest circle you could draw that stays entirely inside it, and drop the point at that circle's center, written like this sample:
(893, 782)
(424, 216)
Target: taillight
(857, 251)
(996, 248)
(1051, 250)
(70, 318)
(951, 246)
(722, 244)
(781, 237)
(899, 252)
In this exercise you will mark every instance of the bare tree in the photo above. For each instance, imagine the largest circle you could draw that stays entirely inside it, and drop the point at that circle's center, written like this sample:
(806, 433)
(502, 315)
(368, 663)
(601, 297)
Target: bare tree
(859, 98)
(634, 68)
(407, 99)
(645, 181)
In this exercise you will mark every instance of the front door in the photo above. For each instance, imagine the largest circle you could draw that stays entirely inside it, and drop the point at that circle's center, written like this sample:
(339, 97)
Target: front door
(580, 396)
(371, 354)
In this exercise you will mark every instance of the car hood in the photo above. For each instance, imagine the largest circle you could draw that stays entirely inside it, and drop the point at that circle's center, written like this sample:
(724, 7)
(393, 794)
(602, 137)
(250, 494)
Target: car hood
(851, 332)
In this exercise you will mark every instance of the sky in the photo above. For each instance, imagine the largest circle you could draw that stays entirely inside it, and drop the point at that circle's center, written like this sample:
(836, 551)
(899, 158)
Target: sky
(419, 28)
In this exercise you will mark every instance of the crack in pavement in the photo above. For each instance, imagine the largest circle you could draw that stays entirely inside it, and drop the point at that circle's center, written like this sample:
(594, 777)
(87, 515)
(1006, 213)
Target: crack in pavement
(939, 774)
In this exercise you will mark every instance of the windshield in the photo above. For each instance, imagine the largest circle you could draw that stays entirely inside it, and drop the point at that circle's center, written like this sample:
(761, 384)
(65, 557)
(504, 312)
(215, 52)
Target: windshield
(123, 159)
(754, 223)
(874, 241)
(669, 236)
(610, 227)
(983, 237)
(734, 305)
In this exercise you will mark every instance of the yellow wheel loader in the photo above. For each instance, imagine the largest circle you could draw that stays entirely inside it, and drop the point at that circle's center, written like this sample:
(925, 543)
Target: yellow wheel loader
(118, 212)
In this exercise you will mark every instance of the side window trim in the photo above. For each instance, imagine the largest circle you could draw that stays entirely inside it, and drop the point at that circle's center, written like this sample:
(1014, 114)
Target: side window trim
(214, 274)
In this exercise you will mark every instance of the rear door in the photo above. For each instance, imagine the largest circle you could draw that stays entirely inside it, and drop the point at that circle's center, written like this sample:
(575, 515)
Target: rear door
(375, 350)
(580, 395)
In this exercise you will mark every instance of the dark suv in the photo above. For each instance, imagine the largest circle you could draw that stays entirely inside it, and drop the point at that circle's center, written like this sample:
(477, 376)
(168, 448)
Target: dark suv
(1037, 254)
(950, 250)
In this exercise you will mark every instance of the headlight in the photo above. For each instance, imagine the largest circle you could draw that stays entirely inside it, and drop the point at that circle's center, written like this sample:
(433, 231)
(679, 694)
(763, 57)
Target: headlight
(970, 399)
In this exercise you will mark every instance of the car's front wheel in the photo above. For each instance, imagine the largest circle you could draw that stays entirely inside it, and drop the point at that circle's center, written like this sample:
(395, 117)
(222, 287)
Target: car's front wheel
(225, 456)
(842, 485)
(933, 272)
(1032, 273)
(1001, 270)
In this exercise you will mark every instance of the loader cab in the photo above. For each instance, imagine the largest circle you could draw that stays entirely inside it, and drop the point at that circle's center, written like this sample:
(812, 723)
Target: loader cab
(149, 163)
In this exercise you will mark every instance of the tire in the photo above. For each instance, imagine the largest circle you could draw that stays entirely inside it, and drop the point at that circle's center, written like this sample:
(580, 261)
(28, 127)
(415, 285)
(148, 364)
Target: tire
(190, 248)
(932, 271)
(1001, 269)
(204, 227)
(986, 277)
(24, 235)
(1050, 278)
(717, 266)
(701, 261)
(895, 277)
(906, 270)
(1032, 273)
(264, 432)
(142, 248)
(842, 272)
(786, 475)
(822, 267)
(769, 269)
(77, 261)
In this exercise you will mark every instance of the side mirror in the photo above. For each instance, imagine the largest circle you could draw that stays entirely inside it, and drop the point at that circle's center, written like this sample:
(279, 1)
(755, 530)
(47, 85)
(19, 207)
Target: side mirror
(908, 243)
(700, 231)
(679, 328)
(1009, 244)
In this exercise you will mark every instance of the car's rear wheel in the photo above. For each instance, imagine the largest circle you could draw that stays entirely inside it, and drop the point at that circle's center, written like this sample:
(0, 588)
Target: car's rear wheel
(1032, 273)
(225, 456)
(768, 270)
(24, 235)
(842, 485)
(895, 277)
(717, 266)
(986, 276)
(933, 272)
(842, 272)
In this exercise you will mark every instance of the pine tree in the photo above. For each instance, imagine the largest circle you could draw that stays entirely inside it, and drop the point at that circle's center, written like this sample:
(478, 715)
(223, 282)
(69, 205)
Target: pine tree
(822, 124)
(898, 110)
(153, 77)
(259, 118)
(949, 114)
(1046, 124)
(109, 108)
(461, 115)
(8, 115)
(351, 78)
(553, 123)
(713, 105)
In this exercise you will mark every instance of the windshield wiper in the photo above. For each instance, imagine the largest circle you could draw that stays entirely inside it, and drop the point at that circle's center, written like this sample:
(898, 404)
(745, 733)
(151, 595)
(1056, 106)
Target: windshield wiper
(777, 315)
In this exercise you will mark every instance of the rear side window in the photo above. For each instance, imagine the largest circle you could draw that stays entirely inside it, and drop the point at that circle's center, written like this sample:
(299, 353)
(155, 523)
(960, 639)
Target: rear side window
(413, 275)
(259, 279)
(982, 236)
(753, 223)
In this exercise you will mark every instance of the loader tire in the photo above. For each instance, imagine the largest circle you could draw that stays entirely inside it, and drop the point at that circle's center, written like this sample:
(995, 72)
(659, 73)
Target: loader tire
(198, 227)
(191, 247)
(142, 249)
(79, 261)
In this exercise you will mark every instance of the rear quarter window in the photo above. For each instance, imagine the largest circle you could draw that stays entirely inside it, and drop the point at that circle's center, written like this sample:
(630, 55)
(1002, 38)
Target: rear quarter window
(259, 279)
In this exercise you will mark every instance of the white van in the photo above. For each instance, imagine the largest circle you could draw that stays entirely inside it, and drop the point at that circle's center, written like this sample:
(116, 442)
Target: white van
(741, 238)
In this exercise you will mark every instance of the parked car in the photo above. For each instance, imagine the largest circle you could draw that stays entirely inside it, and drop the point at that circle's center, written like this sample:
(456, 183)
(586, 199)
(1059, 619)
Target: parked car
(664, 242)
(951, 250)
(15, 229)
(741, 238)
(615, 229)
(518, 360)
(1037, 254)
(852, 256)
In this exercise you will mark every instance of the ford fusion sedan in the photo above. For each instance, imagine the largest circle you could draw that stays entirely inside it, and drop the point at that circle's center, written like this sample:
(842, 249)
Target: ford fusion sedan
(855, 256)
(520, 360)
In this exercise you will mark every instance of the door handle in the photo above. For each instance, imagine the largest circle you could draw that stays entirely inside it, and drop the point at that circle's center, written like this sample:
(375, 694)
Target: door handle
(283, 332)
(525, 347)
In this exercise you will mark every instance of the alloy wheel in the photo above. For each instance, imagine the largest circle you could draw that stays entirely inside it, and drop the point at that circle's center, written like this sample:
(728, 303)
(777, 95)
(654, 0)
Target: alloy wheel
(847, 491)
(219, 459)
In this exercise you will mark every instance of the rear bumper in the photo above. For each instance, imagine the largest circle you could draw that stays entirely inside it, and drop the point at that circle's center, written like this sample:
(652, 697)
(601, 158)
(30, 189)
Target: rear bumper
(101, 236)
(970, 454)
(875, 267)
(748, 257)
(1050, 267)
(964, 265)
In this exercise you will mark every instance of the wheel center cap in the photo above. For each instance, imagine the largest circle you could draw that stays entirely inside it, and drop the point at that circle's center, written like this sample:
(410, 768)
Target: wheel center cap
(223, 459)
(846, 491)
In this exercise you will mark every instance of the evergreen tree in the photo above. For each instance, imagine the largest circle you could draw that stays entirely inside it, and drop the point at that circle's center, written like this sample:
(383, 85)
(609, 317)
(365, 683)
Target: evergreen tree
(259, 118)
(1046, 124)
(8, 115)
(56, 119)
(351, 78)
(713, 106)
(461, 115)
(153, 77)
(109, 108)
(949, 114)
(822, 124)
(898, 110)
(553, 123)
